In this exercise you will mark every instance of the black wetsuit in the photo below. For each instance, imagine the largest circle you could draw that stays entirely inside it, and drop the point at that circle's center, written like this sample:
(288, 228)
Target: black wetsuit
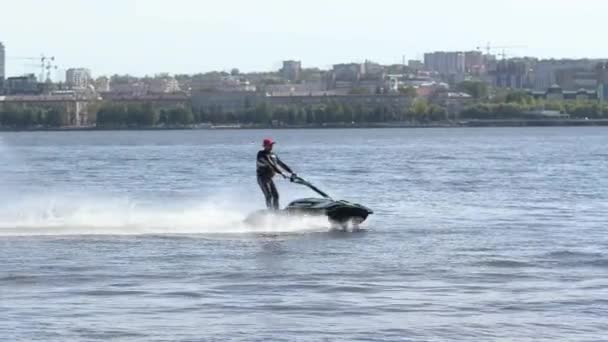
(267, 166)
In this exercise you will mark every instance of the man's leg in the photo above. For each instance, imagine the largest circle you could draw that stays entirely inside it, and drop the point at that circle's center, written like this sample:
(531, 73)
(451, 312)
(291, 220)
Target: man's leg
(275, 195)
(264, 184)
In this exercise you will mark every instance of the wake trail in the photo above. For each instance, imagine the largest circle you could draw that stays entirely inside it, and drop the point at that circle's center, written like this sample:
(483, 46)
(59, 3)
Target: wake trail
(87, 215)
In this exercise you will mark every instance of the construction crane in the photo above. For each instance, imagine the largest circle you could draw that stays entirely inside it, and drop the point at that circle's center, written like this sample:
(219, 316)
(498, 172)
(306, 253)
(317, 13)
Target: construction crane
(490, 47)
(46, 64)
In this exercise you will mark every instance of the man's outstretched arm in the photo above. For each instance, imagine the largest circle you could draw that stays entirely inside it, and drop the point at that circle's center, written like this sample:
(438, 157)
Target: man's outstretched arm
(284, 166)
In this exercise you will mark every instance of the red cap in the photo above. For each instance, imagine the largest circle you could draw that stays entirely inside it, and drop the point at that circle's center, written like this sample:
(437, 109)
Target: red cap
(267, 142)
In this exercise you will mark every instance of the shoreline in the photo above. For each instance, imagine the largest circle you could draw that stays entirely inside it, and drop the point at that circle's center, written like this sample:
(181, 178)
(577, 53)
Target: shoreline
(459, 124)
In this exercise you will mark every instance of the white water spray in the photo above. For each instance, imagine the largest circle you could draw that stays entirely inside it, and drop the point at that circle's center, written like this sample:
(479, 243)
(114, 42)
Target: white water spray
(77, 215)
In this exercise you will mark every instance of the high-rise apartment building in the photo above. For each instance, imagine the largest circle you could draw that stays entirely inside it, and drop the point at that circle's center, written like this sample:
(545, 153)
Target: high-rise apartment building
(445, 63)
(292, 70)
(2, 64)
(78, 78)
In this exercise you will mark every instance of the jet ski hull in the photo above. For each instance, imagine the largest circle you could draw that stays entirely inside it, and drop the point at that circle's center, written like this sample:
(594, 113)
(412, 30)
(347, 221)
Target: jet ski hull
(336, 211)
(339, 213)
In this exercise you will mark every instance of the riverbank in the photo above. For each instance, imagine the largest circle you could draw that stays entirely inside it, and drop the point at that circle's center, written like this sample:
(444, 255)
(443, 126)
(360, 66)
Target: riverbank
(443, 124)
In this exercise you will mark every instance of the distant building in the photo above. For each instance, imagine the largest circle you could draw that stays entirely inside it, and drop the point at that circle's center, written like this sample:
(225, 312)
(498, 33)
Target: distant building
(602, 76)
(224, 102)
(2, 64)
(474, 62)
(445, 63)
(574, 79)
(345, 77)
(78, 78)
(395, 101)
(163, 85)
(292, 70)
(238, 103)
(415, 64)
(220, 83)
(602, 92)
(160, 101)
(350, 72)
(303, 89)
(22, 85)
(77, 111)
(602, 72)
(453, 102)
(431, 89)
(511, 73)
(373, 70)
(546, 71)
(313, 75)
(102, 84)
(129, 88)
(556, 93)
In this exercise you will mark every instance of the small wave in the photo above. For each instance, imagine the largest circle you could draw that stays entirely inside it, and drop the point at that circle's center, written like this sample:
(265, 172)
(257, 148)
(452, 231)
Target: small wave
(108, 293)
(498, 278)
(359, 171)
(439, 157)
(505, 263)
(21, 279)
(108, 335)
(185, 294)
(568, 254)
(476, 249)
(350, 289)
(569, 258)
(602, 263)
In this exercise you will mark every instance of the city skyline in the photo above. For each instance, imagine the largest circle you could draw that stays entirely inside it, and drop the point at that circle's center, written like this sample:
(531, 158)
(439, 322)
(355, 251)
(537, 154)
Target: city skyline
(140, 38)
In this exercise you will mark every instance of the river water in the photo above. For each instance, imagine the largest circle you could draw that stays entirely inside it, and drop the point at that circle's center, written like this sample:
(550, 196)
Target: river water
(478, 235)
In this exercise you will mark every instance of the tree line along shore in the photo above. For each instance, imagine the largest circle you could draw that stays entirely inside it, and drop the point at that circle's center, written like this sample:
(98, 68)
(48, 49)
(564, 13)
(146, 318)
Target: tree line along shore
(516, 107)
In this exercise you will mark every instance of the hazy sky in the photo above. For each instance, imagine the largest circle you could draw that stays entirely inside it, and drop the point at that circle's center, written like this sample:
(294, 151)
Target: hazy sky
(186, 36)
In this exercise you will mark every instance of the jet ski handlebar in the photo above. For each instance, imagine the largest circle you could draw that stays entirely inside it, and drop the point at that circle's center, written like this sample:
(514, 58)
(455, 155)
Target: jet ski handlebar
(302, 181)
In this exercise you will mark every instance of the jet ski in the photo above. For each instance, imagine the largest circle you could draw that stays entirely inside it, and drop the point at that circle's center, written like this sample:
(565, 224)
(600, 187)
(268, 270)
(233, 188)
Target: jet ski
(340, 213)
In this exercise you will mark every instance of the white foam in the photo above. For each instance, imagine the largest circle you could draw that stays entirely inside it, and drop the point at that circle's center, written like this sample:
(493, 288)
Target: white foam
(99, 215)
